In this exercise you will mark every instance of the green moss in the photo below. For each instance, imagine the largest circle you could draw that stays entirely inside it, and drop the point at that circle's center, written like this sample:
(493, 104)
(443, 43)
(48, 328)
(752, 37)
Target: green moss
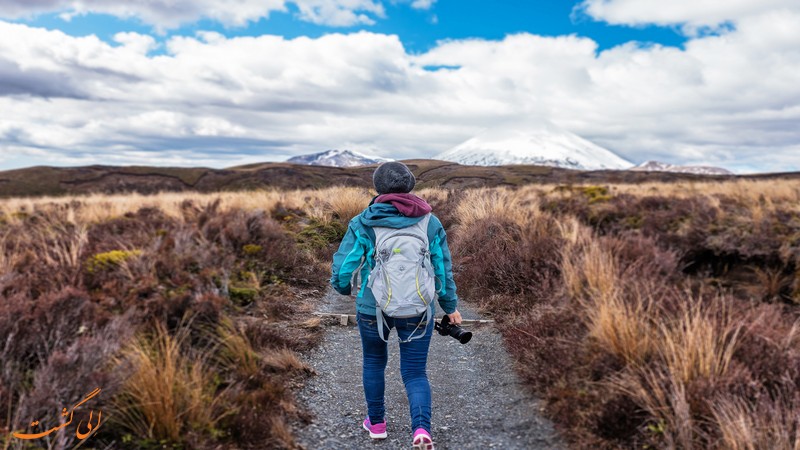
(596, 194)
(634, 222)
(252, 249)
(273, 279)
(318, 235)
(108, 260)
(242, 295)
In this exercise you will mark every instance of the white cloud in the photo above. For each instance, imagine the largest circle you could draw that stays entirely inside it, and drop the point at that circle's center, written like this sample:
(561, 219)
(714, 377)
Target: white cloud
(339, 13)
(422, 4)
(694, 15)
(728, 100)
(169, 14)
(138, 43)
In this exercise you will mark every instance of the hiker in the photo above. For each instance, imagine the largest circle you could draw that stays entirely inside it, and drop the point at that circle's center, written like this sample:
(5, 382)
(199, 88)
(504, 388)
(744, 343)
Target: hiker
(398, 250)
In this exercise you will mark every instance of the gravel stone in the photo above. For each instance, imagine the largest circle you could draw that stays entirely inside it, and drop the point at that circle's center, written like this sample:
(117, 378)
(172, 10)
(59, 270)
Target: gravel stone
(478, 401)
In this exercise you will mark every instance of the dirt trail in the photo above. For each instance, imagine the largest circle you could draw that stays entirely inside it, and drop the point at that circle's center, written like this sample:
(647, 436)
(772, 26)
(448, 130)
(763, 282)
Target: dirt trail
(478, 401)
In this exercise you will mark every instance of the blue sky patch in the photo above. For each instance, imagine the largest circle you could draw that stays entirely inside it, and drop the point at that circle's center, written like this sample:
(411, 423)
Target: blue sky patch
(419, 30)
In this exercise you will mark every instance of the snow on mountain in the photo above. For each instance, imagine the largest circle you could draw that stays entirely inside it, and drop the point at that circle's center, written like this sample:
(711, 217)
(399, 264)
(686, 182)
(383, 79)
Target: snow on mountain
(543, 144)
(337, 158)
(656, 166)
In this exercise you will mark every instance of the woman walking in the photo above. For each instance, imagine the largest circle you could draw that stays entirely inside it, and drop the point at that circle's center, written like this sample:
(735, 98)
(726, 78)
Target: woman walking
(400, 218)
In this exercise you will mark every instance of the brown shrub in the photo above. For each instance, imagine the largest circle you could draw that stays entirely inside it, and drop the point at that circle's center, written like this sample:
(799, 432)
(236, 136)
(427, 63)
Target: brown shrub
(545, 340)
(444, 204)
(260, 421)
(499, 257)
(63, 279)
(69, 374)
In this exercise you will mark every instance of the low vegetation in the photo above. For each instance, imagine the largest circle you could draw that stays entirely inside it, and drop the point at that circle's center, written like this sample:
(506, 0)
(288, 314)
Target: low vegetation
(647, 316)
(656, 315)
(187, 310)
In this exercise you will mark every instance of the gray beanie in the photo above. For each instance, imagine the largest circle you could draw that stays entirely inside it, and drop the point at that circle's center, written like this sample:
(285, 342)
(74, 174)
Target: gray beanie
(393, 178)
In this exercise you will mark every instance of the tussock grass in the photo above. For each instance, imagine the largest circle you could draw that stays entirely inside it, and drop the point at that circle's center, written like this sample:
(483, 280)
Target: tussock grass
(622, 328)
(591, 276)
(434, 195)
(769, 425)
(66, 248)
(235, 350)
(480, 204)
(346, 203)
(7, 256)
(665, 400)
(170, 391)
(698, 344)
(284, 360)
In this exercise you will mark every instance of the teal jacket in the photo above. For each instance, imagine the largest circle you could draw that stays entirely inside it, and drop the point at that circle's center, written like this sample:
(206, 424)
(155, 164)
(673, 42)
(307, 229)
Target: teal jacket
(357, 248)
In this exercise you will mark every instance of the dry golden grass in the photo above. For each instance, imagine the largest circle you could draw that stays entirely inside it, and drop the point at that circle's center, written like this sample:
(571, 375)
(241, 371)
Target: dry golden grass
(575, 237)
(591, 277)
(434, 194)
(95, 208)
(168, 392)
(589, 272)
(311, 324)
(746, 191)
(516, 206)
(346, 203)
(664, 399)
(698, 344)
(600, 272)
(282, 433)
(743, 426)
(622, 328)
(64, 247)
(760, 196)
(284, 360)
(236, 352)
(8, 257)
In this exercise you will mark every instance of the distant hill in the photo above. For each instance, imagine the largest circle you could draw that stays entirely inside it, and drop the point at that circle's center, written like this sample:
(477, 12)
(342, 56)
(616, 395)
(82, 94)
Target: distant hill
(45, 180)
(337, 158)
(542, 144)
(656, 166)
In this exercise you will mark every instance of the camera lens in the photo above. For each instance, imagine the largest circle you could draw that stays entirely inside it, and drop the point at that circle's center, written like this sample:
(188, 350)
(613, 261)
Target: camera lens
(461, 334)
(445, 328)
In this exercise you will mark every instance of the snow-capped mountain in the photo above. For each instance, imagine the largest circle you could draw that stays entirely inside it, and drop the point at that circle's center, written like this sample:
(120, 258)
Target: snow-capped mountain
(656, 166)
(337, 158)
(543, 144)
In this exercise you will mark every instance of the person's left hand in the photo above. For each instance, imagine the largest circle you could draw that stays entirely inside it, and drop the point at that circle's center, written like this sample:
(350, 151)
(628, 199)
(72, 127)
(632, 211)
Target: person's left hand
(455, 317)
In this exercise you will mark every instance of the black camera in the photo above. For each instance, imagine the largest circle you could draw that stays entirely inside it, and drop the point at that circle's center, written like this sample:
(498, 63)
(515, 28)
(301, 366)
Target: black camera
(445, 328)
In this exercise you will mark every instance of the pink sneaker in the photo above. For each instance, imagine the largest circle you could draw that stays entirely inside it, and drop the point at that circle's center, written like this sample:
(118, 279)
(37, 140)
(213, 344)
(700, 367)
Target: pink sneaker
(422, 440)
(377, 431)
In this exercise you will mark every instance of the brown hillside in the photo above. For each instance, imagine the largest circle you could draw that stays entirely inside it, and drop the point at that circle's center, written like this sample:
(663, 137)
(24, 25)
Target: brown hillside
(45, 180)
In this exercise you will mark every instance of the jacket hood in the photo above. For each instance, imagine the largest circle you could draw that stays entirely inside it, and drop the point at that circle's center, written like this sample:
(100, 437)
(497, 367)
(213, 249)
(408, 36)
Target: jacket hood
(385, 215)
(407, 204)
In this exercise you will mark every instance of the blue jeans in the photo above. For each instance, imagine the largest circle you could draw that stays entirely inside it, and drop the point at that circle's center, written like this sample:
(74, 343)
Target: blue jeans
(413, 359)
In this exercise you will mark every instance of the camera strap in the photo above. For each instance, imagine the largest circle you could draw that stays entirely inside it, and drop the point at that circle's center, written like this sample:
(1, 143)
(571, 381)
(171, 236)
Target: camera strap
(425, 318)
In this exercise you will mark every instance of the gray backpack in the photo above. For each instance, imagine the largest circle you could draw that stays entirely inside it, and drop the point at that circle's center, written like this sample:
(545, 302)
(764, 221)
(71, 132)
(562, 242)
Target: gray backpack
(403, 281)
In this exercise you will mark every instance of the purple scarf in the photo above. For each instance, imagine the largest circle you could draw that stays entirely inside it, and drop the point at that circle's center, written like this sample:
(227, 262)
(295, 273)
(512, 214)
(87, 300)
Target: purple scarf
(408, 205)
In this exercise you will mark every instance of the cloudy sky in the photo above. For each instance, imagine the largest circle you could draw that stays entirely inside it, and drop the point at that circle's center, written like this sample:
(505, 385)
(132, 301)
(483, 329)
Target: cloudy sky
(224, 82)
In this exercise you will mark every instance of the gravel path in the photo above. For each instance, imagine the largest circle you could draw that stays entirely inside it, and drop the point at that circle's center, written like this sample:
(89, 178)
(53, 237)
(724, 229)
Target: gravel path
(478, 401)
